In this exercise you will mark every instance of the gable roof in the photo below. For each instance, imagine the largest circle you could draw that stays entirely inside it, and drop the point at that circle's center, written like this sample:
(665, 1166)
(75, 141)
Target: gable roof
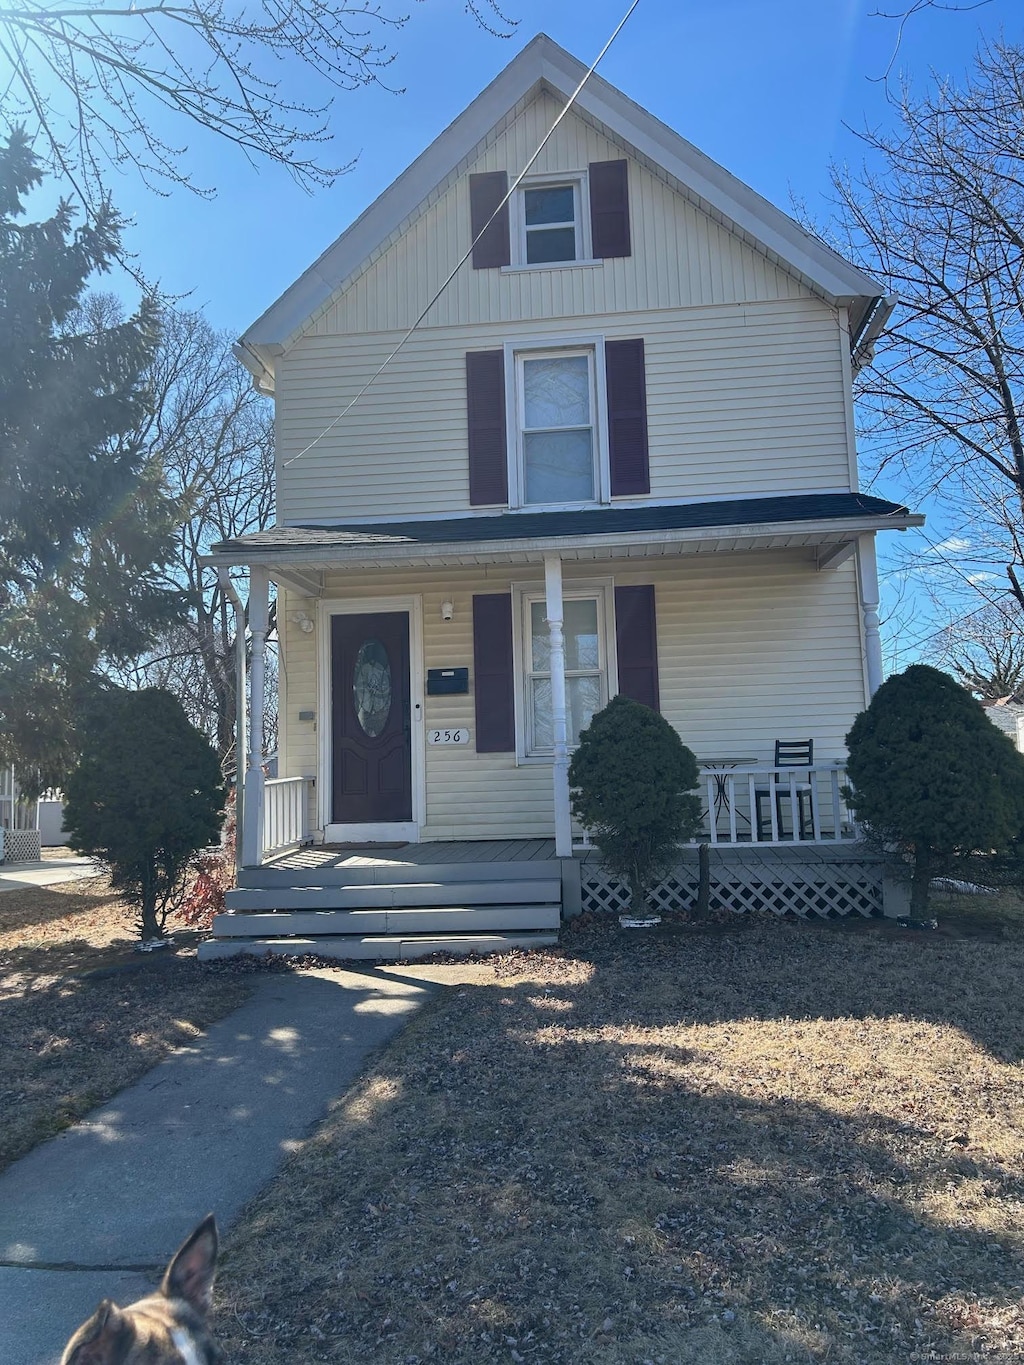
(543, 64)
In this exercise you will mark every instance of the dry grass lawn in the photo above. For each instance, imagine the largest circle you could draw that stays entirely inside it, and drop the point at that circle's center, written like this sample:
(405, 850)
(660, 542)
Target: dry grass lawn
(776, 1143)
(81, 1014)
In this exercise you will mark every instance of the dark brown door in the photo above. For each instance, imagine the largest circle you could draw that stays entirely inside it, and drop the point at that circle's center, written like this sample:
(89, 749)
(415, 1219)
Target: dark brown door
(370, 718)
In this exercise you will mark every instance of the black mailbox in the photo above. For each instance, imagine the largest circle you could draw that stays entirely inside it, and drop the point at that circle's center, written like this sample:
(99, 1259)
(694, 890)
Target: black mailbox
(447, 682)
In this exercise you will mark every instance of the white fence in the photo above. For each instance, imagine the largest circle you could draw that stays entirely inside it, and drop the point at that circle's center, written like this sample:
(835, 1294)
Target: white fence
(285, 813)
(759, 805)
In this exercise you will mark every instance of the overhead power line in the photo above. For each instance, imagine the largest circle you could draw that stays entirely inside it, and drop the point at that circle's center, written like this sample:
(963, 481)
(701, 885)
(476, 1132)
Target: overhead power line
(469, 251)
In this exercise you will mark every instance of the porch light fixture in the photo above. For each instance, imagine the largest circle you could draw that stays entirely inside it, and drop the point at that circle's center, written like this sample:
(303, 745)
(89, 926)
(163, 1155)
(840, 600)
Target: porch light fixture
(304, 621)
(447, 611)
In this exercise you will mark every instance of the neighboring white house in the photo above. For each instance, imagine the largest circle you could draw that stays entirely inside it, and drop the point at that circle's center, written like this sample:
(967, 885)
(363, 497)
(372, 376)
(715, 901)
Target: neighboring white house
(1008, 716)
(612, 452)
(19, 821)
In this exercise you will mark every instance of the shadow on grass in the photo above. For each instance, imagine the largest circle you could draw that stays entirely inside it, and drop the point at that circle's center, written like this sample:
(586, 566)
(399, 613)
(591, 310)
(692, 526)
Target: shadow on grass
(703, 1154)
(38, 905)
(783, 971)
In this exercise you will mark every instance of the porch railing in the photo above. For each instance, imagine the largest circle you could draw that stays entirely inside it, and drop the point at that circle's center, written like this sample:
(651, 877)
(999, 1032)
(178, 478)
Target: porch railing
(761, 805)
(285, 813)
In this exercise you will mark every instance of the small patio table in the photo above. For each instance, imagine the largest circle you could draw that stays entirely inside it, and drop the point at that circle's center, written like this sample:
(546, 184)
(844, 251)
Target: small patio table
(719, 768)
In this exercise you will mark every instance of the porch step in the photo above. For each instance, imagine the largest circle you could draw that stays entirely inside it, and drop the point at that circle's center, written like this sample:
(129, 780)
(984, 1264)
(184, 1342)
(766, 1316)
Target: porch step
(385, 873)
(366, 948)
(423, 892)
(420, 920)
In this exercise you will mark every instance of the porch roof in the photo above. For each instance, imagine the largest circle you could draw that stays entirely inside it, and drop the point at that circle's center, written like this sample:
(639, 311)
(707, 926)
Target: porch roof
(821, 520)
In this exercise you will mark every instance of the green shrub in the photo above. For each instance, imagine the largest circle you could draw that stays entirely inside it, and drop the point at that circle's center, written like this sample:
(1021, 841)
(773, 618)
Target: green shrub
(931, 776)
(632, 781)
(146, 796)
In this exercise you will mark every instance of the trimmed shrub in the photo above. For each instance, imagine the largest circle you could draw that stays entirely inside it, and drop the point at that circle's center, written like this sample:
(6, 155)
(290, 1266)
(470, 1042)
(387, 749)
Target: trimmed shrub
(146, 796)
(632, 781)
(931, 776)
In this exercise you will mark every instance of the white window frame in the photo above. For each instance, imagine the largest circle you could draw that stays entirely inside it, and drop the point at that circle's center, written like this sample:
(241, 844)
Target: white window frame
(515, 353)
(524, 594)
(579, 181)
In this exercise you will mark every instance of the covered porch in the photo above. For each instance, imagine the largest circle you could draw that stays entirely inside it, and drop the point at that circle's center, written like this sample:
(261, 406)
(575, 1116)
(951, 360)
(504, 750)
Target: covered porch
(748, 798)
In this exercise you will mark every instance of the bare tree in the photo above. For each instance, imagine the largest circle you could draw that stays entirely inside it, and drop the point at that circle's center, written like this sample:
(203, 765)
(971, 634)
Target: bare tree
(100, 79)
(213, 437)
(985, 650)
(939, 217)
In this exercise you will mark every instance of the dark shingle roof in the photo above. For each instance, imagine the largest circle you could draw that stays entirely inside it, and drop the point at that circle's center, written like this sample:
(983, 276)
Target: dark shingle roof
(600, 521)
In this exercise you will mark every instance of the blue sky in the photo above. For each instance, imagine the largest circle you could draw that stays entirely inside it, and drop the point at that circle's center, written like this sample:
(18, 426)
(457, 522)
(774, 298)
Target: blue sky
(762, 86)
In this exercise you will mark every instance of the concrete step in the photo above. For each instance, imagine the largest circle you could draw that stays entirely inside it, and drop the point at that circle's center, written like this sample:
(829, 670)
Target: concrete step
(390, 874)
(441, 919)
(391, 949)
(422, 893)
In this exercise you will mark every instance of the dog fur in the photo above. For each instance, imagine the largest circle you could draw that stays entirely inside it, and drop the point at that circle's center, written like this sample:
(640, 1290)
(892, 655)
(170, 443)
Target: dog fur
(165, 1328)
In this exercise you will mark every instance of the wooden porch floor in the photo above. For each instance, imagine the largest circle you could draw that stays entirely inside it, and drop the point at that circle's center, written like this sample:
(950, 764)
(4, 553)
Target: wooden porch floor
(532, 850)
(416, 855)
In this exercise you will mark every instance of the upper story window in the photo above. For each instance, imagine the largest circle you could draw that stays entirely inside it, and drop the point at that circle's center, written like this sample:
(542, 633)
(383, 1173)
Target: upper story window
(557, 436)
(552, 224)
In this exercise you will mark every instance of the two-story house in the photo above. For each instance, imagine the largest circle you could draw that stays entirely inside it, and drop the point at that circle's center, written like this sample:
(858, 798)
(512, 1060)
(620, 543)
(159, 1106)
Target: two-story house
(566, 412)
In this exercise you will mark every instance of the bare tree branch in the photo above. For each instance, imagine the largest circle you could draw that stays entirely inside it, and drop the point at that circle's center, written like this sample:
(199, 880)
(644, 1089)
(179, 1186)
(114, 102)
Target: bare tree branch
(939, 218)
(97, 80)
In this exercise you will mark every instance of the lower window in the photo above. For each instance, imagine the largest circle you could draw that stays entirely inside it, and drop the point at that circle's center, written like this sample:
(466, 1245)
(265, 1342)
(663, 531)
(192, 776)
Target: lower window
(586, 670)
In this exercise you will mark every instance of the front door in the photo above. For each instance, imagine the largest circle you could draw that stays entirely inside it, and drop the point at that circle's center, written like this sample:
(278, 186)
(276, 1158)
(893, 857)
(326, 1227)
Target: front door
(371, 734)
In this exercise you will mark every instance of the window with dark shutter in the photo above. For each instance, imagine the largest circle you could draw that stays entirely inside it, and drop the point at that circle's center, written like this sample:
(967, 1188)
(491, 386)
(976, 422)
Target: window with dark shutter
(486, 191)
(609, 209)
(492, 673)
(485, 408)
(627, 417)
(636, 644)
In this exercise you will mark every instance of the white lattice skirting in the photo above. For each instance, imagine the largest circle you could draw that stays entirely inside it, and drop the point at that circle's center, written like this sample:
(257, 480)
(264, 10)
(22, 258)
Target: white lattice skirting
(19, 845)
(826, 890)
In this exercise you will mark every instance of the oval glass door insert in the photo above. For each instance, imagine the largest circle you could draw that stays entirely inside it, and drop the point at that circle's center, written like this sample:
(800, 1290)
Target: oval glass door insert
(371, 687)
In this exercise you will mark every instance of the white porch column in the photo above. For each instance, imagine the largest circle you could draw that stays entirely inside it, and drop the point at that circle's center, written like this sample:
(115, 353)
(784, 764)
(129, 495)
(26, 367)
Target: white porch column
(241, 709)
(867, 575)
(259, 612)
(553, 589)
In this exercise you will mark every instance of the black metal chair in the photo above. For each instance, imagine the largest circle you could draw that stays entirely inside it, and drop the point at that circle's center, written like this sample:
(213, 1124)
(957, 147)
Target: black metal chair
(789, 753)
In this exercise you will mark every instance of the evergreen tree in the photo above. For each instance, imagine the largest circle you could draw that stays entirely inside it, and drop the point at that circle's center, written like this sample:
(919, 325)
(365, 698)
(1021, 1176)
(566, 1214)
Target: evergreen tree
(632, 781)
(932, 776)
(85, 524)
(146, 795)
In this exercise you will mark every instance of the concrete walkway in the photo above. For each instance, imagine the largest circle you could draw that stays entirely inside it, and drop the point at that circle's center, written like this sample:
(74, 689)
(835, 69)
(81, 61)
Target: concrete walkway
(49, 872)
(98, 1211)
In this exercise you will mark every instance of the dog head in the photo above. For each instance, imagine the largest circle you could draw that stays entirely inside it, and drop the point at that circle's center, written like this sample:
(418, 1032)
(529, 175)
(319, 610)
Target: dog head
(168, 1327)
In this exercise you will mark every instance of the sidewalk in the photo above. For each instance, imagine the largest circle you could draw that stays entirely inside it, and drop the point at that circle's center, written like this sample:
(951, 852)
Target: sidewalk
(49, 872)
(97, 1211)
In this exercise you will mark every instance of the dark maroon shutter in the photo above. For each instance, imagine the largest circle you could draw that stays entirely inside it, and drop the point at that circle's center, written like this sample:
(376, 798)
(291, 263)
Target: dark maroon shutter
(627, 417)
(636, 644)
(492, 673)
(609, 209)
(486, 192)
(485, 408)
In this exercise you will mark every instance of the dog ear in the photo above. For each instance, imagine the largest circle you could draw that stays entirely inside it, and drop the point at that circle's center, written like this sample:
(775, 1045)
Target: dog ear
(104, 1340)
(190, 1273)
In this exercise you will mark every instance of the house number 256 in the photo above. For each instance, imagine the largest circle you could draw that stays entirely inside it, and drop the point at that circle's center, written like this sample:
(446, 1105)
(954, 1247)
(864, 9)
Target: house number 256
(447, 736)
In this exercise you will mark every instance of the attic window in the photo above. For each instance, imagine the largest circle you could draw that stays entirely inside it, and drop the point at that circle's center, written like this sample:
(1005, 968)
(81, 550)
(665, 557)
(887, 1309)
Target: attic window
(551, 216)
(550, 225)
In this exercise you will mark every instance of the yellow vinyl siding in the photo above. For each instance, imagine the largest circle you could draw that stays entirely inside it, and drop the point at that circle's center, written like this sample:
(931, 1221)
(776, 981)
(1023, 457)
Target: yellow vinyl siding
(751, 647)
(680, 257)
(743, 401)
